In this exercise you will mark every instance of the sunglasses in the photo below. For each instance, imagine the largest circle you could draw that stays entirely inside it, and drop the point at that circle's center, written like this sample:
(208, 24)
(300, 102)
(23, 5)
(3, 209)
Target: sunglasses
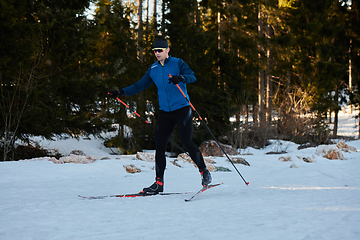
(158, 50)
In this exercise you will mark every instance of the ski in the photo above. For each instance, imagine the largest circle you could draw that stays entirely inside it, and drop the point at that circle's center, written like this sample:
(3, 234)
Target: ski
(141, 194)
(133, 195)
(202, 190)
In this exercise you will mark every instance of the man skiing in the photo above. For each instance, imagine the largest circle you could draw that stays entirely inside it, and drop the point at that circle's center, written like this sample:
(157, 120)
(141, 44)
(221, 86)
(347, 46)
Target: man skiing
(168, 72)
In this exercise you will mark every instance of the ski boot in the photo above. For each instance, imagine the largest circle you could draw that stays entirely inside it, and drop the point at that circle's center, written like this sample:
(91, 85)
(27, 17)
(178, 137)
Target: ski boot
(155, 188)
(205, 177)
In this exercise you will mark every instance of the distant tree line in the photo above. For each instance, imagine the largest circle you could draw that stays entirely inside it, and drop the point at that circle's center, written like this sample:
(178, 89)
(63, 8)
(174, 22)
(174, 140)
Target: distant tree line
(280, 68)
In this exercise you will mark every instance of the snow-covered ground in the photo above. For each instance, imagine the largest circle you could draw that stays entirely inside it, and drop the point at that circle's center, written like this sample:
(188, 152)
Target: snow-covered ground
(320, 200)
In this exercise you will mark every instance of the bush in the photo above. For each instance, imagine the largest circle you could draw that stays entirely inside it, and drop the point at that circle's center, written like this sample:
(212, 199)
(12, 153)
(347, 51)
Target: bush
(28, 151)
(304, 130)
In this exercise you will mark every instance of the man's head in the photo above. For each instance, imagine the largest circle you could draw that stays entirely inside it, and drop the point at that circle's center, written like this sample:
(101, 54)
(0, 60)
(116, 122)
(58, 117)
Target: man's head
(161, 49)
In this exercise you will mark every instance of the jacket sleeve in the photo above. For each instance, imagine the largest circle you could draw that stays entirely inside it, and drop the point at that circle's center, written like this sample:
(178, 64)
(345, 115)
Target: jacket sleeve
(140, 85)
(186, 72)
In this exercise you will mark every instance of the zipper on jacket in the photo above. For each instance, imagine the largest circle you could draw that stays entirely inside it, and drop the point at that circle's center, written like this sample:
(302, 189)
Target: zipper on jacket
(162, 73)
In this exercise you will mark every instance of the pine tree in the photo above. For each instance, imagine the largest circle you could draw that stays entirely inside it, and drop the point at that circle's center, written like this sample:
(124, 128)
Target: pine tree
(318, 29)
(43, 67)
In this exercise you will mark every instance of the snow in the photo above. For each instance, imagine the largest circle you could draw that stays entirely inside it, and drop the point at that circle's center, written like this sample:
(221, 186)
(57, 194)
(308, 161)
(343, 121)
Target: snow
(320, 200)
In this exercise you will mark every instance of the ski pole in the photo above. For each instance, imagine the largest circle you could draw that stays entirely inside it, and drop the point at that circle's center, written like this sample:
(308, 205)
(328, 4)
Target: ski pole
(146, 121)
(247, 183)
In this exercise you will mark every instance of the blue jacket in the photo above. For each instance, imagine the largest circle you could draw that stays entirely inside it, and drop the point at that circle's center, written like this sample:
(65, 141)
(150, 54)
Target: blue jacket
(170, 97)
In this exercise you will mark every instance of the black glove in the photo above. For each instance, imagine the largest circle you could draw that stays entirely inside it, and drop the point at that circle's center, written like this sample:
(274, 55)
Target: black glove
(176, 79)
(116, 93)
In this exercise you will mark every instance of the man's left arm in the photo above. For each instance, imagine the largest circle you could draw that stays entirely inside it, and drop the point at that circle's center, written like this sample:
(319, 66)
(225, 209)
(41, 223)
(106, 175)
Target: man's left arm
(186, 72)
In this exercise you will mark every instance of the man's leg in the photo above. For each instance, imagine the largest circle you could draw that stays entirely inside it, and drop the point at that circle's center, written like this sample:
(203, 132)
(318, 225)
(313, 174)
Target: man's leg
(185, 125)
(164, 129)
(185, 131)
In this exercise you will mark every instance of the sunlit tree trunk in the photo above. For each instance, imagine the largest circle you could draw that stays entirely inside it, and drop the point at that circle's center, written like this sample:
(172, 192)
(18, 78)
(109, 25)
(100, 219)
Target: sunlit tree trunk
(261, 71)
(268, 73)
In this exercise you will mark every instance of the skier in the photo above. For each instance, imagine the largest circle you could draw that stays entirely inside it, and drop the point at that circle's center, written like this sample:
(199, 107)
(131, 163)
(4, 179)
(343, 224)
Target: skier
(174, 109)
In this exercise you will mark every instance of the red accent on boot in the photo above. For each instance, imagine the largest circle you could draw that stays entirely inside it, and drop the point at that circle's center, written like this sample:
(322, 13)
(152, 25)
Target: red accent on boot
(158, 181)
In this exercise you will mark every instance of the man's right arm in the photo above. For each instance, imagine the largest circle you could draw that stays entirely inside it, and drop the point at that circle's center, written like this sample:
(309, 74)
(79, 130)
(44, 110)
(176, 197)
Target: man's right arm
(140, 85)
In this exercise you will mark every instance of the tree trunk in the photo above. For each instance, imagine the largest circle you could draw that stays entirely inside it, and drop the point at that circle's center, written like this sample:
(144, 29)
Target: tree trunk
(336, 111)
(155, 20)
(268, 74)
(196, 13)
(255, 104)
(350, 67)
(268, 89)
(147, 17)
(147, 24)
(288, 81)
(261, 72)
(219, 38)
(140, 52)
(163, 18)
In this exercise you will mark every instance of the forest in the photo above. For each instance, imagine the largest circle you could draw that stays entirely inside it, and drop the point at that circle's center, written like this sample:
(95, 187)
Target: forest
(265, 69)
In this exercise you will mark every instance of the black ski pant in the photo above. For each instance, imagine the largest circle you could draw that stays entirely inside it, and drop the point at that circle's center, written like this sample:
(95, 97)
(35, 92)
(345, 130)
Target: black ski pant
(164, 128)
